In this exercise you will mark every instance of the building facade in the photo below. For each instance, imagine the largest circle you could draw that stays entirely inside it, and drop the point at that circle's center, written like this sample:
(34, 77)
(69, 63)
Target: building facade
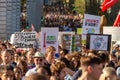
(34, 10)
(9, 18)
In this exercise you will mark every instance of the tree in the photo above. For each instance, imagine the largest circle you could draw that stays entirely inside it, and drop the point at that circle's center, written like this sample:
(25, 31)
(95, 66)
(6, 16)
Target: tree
(79, 6)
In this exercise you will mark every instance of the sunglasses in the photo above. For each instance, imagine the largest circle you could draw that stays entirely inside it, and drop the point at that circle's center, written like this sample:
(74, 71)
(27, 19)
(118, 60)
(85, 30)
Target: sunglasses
(39, 60)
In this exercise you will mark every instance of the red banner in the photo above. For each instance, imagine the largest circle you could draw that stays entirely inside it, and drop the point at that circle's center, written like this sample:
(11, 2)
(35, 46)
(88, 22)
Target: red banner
(107, 4)
(117, 20)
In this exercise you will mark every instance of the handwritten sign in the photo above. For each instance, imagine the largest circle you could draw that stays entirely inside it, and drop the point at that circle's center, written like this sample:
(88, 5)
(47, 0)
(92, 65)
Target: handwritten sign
(24, 39)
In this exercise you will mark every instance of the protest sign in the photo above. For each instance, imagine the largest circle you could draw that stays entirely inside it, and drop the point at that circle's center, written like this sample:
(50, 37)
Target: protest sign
(49, 37)
(76, 43)
(24, 39)
(66, 41)
(114, 31)
(98, 42)
(79, 30)
(91, 24)
(71, 42)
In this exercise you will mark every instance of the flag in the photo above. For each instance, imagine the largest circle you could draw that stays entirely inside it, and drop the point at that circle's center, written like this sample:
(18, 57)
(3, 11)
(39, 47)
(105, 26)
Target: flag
(107, 4)
(105, 1)
(117, 20)
(32, 27)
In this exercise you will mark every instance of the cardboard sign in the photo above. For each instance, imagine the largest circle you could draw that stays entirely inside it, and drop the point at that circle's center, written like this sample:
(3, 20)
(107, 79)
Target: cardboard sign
(71, 42)
(76, 43)
(66, 41)
(91, 24)
(98, 42)
(24, 39)
(49, 37)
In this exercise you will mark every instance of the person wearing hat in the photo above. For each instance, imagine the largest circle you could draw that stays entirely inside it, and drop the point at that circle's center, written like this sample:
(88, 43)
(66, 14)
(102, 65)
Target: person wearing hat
(39, 59)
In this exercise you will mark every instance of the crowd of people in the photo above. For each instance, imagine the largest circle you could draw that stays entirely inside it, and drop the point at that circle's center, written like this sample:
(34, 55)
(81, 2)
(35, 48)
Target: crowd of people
(64, 22)
(59, 15)
(32, 64)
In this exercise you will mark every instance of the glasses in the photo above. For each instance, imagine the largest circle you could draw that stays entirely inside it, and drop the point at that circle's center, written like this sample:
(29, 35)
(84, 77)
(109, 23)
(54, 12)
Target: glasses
(39, 60)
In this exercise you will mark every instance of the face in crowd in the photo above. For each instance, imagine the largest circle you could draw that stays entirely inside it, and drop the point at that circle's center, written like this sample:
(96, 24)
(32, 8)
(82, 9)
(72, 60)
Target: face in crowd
(39, 61)
(29, 56)
(6, 57)
(91, 67)
(6, 72)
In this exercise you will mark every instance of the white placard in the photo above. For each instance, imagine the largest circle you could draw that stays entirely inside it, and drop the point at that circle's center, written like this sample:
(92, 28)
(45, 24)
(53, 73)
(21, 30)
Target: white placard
(98, 42)
(49, 37)
(24, 39)
(91, 24)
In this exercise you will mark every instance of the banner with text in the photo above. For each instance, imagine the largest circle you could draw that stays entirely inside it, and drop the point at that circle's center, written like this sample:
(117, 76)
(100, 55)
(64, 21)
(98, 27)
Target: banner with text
(91, 24)
(49, 37)
(24, 39)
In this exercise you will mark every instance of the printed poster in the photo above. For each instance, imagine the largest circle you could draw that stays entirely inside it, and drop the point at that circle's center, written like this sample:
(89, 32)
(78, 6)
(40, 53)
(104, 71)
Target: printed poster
(91, 24)
(49, 37)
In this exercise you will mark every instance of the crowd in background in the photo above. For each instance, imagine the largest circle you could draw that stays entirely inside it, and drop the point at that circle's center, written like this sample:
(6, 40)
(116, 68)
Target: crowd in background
(32, 64)
(64, 22)
(59, 15)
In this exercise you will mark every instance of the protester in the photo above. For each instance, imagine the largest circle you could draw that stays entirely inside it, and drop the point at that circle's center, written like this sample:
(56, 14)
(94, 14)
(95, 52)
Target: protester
(35, 76)
(49, 55)
(109, 73)
(17, 57)
(57, 70)
(3, 47)
(6, 57)
(6, 72)
(45, 71)
(63, 52)
(23, 66)
(39, 60)
(17, 73)
(30, 60)
(91, 68)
